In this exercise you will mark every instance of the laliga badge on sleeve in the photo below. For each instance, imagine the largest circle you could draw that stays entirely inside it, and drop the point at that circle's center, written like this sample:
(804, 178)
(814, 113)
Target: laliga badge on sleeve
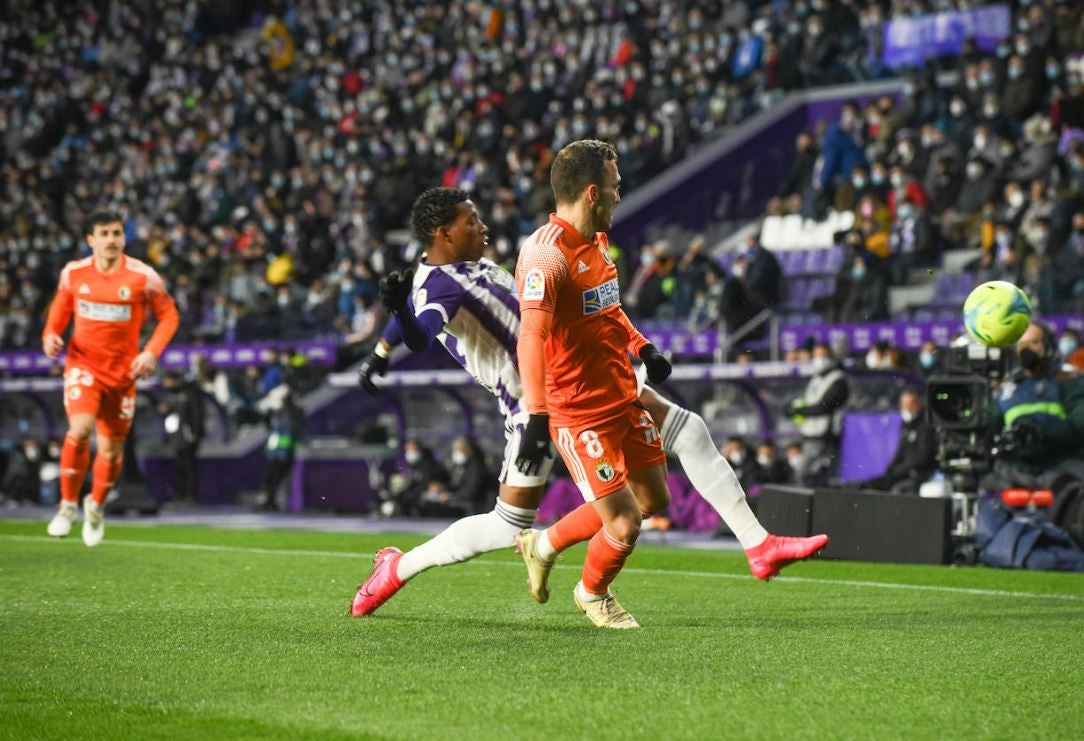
(534, 287)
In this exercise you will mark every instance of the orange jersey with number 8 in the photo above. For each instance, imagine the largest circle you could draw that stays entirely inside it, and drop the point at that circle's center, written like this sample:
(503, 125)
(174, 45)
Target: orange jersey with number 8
(109, 310)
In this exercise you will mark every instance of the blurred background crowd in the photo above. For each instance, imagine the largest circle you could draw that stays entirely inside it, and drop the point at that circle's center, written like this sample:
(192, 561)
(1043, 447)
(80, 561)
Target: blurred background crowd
(267, 153)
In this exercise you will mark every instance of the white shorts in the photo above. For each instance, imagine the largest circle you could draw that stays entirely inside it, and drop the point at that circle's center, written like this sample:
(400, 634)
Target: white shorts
(510, 475)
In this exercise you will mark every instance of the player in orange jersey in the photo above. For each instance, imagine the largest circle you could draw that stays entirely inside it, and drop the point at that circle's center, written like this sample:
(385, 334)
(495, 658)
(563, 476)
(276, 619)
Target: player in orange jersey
(578, 382)
(108, 294)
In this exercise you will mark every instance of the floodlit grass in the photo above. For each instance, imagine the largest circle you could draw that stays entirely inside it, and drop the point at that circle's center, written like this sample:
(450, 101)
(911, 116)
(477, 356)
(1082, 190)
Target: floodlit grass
(185, 632)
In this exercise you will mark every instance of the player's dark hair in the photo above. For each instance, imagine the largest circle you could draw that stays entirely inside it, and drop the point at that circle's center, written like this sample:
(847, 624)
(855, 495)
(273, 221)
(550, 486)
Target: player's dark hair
(433, 209)
(100, 218)
(579, 165)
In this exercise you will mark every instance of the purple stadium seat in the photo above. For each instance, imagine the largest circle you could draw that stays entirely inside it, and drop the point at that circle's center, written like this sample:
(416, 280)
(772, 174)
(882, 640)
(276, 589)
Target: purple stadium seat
(817, 264)
(836, 256)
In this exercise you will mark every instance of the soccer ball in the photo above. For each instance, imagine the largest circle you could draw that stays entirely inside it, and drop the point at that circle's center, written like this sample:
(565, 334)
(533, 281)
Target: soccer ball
(997, 313)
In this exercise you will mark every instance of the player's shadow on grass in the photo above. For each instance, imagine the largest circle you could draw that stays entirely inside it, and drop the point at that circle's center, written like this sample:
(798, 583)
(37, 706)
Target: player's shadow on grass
(539, 624)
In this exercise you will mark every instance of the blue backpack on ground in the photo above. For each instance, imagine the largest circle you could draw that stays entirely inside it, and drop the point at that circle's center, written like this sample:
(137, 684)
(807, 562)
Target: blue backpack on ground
(1024, 540)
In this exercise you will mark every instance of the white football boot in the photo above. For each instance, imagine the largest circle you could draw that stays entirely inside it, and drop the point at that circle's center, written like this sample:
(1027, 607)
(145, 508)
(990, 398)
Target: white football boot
(93, 521)
(62, 521)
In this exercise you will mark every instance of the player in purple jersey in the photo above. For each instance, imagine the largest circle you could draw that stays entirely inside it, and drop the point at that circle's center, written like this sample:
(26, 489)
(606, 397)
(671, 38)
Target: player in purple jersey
(468, 303)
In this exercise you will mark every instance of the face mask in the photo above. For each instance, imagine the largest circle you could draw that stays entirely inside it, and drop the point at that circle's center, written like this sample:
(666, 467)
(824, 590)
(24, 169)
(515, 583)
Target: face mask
(957, 108)
(1016, 199)
(795, 462)
(1030, 360)
(908, 417)
(821, 364)
(738, 271)
(1052, 71)
(873, 360)
(459, 457)
(989, 110)
(906, 212)
(877, 177)
(974, 171)
(858, 272)
(412, 456)
(736, 458)
(926, 360)
(859, 182)
(647, 258)
(897, 179)
(1067, 346)
(764, 461)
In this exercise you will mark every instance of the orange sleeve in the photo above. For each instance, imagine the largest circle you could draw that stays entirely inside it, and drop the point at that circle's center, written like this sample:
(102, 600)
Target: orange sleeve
(539, 275)
(636, 340)
(534, 328)
(165, 311)
(60, 310)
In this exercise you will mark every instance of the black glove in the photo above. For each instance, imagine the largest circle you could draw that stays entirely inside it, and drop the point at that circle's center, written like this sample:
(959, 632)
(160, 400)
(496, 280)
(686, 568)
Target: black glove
(658, 367)
(534, 446)
(373, 365)
(395, 289)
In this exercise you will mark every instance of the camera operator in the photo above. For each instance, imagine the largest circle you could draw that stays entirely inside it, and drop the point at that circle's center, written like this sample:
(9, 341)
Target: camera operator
(1039, 414)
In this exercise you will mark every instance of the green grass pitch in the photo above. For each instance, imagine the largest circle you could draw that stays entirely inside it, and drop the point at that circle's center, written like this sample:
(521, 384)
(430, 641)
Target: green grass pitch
(187, 632)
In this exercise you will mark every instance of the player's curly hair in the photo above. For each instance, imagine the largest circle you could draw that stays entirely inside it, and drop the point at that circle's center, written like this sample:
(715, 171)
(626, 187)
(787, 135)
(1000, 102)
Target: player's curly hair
(577, 166)
(100, 218)
(433, 209)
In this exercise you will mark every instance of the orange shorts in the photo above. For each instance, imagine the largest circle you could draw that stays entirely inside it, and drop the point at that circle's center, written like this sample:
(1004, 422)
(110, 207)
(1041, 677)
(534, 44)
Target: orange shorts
(114, 407)
(600, 455)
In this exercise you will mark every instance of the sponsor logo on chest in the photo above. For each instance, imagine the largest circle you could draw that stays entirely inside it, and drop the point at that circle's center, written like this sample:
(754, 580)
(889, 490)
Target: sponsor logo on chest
(103, 312)
(601, 297)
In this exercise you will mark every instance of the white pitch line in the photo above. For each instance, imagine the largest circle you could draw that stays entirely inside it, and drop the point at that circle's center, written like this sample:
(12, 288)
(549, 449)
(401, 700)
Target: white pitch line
(631, 570)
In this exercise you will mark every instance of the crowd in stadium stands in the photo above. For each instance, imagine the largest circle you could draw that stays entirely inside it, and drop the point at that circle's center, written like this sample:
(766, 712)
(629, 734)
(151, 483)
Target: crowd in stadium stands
(993, 161)
(266, 152)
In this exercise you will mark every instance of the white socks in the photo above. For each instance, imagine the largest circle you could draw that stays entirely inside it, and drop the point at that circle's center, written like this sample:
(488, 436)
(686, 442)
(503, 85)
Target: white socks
(685, 434)
(544, 548)
(466, 538)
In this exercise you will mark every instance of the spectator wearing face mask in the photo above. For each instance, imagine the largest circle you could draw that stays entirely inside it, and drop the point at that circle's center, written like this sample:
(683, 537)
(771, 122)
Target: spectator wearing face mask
(736, 452)
(915, 458)
(1021, 95)
(929, 359)
(422, 472)
(1072, 354)
(863, 290)
(794, 463)
(469, 488)
(960, 123)
(1068, 269)
(819, 417)
(911, 241)
(772, 469)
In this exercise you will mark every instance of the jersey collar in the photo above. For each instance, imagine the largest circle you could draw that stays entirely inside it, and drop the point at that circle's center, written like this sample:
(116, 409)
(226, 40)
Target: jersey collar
(573, 231)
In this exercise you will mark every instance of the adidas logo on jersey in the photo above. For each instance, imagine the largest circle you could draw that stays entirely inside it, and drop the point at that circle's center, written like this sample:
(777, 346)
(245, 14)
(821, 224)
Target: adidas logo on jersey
(582, 267)
(84, 288)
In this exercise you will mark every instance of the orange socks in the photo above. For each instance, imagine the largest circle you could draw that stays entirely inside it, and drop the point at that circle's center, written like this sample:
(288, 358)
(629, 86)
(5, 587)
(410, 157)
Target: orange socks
(74, 459)
(605, 557)
(575, 527)
(106, 472)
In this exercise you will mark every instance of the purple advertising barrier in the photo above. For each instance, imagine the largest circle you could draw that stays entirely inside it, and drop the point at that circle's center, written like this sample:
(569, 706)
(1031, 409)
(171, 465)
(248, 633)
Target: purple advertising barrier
(34, 362)
(909, 42)
(869, 441)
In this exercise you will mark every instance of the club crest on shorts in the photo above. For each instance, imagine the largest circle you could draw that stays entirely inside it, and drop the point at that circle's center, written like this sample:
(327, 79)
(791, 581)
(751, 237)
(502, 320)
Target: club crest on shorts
(604, 471)
(124, 292)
